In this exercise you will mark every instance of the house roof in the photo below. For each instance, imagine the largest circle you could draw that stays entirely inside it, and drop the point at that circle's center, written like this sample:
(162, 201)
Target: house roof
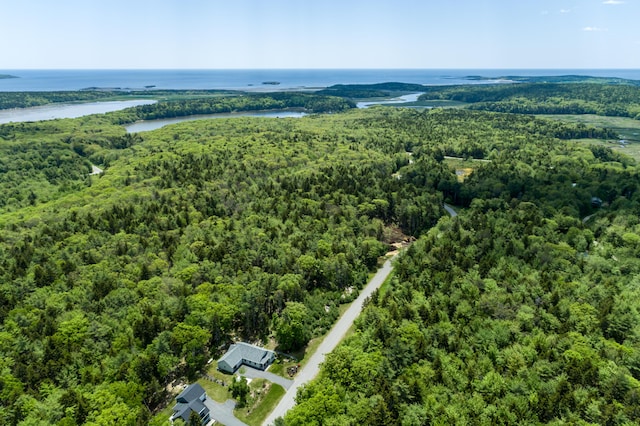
(190, 393)
(240, 352)
(183, 410)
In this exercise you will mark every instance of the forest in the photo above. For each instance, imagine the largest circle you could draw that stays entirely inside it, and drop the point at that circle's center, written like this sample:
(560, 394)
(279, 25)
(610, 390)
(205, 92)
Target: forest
(617, 100)
(175, 103)
(517, 311)
(43, 161)
(196, 234)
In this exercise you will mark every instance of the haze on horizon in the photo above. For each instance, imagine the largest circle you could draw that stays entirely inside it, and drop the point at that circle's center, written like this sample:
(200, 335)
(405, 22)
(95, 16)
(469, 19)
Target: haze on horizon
(212, 34)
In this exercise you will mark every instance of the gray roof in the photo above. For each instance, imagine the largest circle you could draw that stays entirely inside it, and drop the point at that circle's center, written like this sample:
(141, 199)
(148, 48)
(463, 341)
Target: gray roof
(191, 392)
(183, 410)
(245, 352)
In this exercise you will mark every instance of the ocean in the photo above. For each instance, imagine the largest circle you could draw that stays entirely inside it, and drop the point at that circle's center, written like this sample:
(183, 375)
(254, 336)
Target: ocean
(54, 80)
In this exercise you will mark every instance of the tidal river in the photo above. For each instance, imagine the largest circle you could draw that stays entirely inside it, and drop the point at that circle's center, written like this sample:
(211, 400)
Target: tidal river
(66, 110)
(147, 125)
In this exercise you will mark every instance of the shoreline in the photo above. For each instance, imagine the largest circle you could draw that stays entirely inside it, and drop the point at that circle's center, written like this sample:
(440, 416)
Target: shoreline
(248, 80)
(62, 110)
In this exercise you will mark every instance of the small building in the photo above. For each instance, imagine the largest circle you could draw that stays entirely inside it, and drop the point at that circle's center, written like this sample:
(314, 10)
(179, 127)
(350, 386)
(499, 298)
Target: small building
(191, 399)
(244, 353)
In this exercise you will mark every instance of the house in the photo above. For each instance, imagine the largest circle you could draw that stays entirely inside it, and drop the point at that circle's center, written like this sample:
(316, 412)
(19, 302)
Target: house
(191, 399)
(244, 353)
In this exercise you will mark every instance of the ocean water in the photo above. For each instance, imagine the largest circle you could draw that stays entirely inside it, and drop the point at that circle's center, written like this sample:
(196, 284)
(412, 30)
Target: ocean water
(52, 80)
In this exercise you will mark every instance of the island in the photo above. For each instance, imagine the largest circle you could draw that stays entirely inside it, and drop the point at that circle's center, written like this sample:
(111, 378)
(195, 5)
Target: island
(5, 76)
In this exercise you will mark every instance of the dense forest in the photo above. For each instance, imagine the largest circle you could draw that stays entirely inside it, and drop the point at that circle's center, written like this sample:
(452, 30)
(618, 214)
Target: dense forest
(248, 102)
(363, 91)
(176, 103)
(113, 285)
(514, 312)
(504, 315)
(195, 234)
(621, 100)
(42, 161)
(31, 99)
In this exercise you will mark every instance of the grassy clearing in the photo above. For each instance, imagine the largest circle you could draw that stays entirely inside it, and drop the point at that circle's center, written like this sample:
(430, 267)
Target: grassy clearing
(213, 371)
(627, 128)
(461, 167)
(215, 391)
(281, 365)
(263, 398)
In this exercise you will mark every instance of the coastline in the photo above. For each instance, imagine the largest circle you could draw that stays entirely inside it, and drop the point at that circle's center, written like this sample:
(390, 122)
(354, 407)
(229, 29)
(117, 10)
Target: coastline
(249, 80)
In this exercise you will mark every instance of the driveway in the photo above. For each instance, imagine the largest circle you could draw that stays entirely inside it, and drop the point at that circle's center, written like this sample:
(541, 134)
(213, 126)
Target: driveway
(223, 413)
(254, 373)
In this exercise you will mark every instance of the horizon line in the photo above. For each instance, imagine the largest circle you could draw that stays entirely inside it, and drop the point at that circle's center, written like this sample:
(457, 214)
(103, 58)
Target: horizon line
(315, 69)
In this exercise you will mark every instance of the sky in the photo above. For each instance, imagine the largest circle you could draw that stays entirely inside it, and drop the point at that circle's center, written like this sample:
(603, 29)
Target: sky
(236, 34)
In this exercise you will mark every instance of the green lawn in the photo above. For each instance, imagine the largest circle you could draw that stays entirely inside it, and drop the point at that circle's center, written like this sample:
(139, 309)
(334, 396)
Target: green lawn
(280, 367)
(264, 397)
(213, 371)
(215, 391)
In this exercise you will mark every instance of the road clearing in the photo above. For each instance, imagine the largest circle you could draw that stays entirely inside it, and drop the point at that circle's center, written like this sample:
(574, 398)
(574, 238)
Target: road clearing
(331, 340)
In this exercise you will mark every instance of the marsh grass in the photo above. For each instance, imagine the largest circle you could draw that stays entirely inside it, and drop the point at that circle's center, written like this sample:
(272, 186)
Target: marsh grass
(627, 128)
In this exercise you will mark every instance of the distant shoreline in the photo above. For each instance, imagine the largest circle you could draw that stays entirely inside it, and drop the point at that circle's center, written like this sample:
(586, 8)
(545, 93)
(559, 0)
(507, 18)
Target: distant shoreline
(250, 80)
(5, 76)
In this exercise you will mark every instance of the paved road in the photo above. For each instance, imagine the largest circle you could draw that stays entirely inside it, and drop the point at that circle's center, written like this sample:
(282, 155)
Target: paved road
(450, 210)
(332, 339)
(223, 412)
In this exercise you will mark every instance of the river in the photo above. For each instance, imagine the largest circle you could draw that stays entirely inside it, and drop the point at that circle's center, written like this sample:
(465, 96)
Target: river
(66, 110)
(75, 110)
(147, 125)
(413, 97)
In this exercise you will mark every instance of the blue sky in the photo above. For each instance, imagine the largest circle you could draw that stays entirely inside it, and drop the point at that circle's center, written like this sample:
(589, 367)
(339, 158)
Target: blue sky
(319, 34)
